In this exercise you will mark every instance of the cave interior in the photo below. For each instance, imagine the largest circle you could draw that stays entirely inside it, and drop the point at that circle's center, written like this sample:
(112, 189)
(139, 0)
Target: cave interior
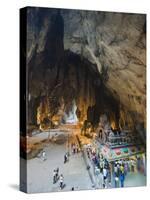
(65, 87)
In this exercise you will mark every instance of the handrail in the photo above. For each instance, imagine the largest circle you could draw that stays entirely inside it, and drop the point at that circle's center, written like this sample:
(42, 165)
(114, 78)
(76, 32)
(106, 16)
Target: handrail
(116, 140)
(121, 136)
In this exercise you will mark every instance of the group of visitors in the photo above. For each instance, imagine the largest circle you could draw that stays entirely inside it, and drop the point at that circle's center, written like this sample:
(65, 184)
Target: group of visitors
(105, 170)
(75, 148)
(117, 171)
(57, 177)
(101, 167)
(123, 166)
(120, 171)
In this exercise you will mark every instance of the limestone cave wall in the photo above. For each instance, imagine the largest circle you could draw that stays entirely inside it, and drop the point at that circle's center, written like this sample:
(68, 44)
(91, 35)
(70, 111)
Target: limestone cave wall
(96, 58)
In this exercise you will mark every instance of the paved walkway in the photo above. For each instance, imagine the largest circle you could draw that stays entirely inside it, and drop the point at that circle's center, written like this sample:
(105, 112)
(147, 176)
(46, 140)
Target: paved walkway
(135, 179)
(40, 173)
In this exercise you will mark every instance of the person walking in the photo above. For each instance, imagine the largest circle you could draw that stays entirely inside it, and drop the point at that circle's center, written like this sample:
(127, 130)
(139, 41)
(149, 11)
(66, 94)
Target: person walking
(61, 181)
(122, 179)
(54, 176)
(104, 176)
(74, 149)
(118, 166)
(88, 153)
(122, 169)
(116, 171)
(116, 174)
(44, 156)
(116, 181)
(101, 166)
(77, 148)
(65, 157)
(57, 173)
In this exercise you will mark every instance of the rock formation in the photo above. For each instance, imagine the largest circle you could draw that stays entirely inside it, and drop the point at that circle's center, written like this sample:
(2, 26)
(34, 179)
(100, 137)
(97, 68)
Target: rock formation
(97, 59)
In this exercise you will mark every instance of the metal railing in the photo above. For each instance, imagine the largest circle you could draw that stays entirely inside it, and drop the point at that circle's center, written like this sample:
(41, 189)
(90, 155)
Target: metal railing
(119, 140)
(122, 140)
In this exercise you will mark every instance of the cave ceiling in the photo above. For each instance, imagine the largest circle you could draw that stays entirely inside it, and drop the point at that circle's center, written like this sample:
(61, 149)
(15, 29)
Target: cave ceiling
(98, 48)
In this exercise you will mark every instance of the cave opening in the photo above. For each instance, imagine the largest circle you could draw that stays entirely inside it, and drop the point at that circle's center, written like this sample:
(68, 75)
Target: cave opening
(66, 87)
(71, 92)
(70, 117)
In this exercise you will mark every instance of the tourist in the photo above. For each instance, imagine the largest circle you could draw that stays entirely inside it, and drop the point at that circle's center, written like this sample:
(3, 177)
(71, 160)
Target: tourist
(88, 153)
(116, 181)
(118, 166)
(96, 161)
(44, 156)
(77, 148)
(122, 179)
(54, 176)
(115, 169)
(106, 163)
(109, 177)
(122, 169)
(61, 181)
(120, 162)
(65, 157)
(97, 171)
(73, 148)
(101, 166)
(104, 176)
(93, 158)
(57, 173)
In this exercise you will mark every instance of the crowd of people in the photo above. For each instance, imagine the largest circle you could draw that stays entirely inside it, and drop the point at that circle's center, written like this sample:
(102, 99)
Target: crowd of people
(75, 148)
(101, 167)
(109, 174)
(120, 171)
(113, 174)
(124, 166)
